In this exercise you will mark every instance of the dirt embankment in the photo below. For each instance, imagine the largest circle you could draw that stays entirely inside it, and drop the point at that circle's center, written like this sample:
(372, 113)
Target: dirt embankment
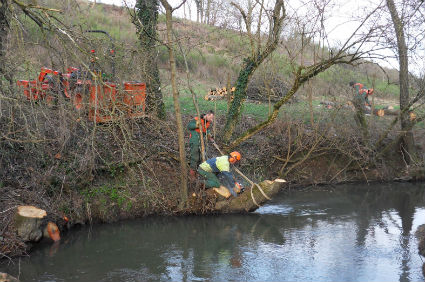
(137, 174)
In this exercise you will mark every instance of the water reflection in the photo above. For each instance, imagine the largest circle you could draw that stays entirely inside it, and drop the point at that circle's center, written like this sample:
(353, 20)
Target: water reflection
(348, 233)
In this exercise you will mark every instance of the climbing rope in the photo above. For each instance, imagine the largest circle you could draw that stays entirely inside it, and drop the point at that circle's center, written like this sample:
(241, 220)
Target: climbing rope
(253, 199)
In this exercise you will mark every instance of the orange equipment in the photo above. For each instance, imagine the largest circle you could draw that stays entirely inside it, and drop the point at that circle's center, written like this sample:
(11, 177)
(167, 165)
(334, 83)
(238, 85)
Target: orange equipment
(96, 94)
(53, 231)
(135, 98)
(102, 101)
(100, 98)
(45, 85)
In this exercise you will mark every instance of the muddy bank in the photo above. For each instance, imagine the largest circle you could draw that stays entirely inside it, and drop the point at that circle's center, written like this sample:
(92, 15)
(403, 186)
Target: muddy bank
(137, 174)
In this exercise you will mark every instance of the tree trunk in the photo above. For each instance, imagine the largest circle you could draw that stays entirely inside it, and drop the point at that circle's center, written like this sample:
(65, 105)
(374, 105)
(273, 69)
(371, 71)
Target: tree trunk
(310, 102)
(408, 142)
(359, 116)
(245, 202)
(234, 112)
(180, 133)
(251, 63)
(27, 222)
(4, 31)
(147, 14)
(199, 11)
(208, 12)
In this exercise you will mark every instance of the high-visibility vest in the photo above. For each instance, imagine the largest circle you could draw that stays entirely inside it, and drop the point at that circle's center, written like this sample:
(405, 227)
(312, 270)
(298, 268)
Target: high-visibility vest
(204, 127)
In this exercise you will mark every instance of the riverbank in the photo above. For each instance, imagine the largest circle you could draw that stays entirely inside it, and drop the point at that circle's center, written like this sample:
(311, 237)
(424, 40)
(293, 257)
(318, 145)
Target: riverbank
(140, 175)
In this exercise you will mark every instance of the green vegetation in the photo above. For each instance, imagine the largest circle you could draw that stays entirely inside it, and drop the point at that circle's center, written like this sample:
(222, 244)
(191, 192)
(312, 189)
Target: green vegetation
(108, 193)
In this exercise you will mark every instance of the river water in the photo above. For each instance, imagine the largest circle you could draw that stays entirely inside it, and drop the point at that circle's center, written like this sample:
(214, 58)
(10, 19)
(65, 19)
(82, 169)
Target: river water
(342, 233)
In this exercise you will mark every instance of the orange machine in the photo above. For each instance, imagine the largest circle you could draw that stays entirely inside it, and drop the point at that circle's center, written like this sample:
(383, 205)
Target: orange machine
(100, 99)
(134, 98)
(102, 102)
(48, 81)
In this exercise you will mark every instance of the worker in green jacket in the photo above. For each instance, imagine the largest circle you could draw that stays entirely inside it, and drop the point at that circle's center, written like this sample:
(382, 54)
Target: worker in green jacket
(195, 139)
(363, 94)
(219, 167)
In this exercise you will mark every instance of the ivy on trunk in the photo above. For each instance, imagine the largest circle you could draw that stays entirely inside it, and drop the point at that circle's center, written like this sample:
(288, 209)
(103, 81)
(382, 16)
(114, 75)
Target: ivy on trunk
(258, 54)
(146, 23)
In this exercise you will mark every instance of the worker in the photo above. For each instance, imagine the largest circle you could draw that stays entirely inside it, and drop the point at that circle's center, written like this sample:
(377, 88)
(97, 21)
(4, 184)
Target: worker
(219, 167)
(195, 140)
(363, 93)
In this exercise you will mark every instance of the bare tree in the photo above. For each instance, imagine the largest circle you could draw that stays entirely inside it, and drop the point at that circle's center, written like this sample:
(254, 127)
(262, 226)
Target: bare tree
(182, 153)
(408, 142)
(402, 32)
(199, 10)
(350, 52)
(258, 54)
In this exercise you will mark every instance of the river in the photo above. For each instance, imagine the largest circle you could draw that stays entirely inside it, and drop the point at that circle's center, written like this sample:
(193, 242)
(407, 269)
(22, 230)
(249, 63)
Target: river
(341, 233)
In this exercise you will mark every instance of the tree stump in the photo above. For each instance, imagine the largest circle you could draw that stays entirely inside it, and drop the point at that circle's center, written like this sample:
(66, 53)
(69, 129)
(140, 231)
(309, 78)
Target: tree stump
(27, 222)
(247, 202)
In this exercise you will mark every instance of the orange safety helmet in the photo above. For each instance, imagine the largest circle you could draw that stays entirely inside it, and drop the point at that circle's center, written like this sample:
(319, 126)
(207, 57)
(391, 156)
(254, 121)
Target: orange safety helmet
(234, 157)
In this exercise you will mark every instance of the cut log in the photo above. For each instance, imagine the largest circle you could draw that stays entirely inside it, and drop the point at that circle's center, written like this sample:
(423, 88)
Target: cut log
(4, 277)
(247, 203)
(27, 222)
(392, 112)
(213, 97)
(376, 112)
(396, 112)
(218, 93)
(379, 112)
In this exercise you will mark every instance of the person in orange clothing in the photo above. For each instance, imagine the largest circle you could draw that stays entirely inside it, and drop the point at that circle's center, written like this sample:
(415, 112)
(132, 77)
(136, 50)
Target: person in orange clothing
(363, 93)
(195, 139)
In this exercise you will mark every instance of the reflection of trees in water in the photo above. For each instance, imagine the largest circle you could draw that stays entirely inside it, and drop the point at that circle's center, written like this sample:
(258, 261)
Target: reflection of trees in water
(184, 248)
(365, 205)
(404, 202)
(153, 247)
(374, 208)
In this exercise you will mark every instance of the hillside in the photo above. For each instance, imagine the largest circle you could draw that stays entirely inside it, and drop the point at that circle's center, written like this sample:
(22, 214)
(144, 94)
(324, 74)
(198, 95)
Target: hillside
(214, 55)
